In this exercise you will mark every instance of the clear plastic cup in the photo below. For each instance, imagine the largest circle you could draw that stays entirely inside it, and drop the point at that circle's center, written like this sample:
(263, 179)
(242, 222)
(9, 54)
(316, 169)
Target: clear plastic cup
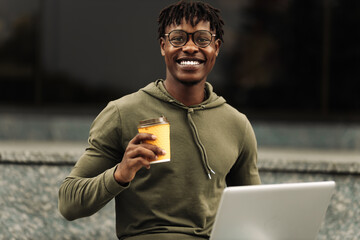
(160, 127)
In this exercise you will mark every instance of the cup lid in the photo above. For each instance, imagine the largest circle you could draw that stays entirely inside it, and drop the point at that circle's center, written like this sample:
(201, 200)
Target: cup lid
(153, 121)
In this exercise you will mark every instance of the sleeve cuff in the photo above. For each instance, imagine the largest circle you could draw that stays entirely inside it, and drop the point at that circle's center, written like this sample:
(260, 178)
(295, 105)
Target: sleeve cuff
(111, 185)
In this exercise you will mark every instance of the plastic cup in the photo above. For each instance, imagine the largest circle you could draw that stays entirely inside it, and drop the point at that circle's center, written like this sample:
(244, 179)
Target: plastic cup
(159, 127)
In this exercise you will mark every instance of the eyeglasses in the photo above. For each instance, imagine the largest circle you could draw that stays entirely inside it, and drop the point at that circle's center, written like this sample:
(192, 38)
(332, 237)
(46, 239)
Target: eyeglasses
(201, 38)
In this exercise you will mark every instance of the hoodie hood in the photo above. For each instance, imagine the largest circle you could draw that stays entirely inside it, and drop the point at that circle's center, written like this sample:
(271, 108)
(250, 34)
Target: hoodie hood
(157, 90)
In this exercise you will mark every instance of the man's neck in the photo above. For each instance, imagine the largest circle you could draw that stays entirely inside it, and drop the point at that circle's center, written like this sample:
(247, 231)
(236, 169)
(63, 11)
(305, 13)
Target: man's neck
(187, 94)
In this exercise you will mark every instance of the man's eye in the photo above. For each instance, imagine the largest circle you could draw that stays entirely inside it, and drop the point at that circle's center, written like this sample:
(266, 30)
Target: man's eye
(177, 39)
(203, 40)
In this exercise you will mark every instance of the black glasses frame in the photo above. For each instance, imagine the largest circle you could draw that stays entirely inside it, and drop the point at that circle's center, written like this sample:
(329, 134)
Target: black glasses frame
(192, 37)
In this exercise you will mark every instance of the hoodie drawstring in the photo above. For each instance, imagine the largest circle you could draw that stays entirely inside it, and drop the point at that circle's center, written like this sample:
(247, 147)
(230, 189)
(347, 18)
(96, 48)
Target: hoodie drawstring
(199, 144)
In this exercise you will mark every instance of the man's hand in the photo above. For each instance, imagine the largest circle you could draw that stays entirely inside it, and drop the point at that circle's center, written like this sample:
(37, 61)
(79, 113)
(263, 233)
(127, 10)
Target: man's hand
(137, 154)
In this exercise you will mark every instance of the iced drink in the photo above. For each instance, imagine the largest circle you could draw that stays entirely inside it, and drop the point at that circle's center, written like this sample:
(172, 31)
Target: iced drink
(159, 127)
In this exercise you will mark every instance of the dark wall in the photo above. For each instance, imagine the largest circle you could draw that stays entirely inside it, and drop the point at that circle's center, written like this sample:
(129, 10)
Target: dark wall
(281, 58)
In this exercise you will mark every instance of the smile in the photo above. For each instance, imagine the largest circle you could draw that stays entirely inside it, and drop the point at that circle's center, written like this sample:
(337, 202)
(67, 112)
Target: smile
(189, 62)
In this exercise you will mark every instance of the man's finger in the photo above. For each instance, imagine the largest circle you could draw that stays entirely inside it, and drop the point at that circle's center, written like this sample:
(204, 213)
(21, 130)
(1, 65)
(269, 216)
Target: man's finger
(144, 152)
(141, 137)
(157, 150)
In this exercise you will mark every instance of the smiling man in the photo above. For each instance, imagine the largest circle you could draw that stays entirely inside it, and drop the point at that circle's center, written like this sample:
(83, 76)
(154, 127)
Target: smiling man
(190, 49)
(212, 144)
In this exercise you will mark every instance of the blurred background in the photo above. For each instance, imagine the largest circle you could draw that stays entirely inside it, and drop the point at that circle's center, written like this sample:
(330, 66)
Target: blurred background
(288, 59)
(292, 66)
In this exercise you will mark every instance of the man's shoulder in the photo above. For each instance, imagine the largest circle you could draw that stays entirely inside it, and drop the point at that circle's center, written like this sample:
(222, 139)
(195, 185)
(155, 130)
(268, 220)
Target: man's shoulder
(233, 112)
(235, 119)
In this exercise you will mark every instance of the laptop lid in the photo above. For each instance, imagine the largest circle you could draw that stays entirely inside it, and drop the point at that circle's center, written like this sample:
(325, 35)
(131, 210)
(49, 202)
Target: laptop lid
(272, 211)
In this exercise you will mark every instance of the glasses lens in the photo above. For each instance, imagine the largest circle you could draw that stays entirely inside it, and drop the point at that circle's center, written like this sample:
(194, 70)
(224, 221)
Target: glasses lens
(177, 38)
(202, 38)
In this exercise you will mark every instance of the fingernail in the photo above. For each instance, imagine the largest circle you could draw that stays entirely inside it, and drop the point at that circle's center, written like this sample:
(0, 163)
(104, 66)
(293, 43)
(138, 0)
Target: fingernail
(163, 152)
(153, 136)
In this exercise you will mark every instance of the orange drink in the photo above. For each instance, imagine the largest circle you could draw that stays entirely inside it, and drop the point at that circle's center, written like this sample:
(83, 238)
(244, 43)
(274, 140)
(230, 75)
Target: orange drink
(159, 127)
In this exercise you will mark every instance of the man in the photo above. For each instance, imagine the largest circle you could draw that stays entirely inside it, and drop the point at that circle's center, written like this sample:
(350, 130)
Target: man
(212, 144)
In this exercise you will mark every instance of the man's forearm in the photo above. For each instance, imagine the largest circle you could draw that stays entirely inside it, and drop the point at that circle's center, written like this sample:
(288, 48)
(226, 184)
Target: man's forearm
(82, 197)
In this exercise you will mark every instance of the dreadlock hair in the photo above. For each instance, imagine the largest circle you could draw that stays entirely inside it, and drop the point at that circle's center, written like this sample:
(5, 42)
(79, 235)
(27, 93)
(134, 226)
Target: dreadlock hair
(193, 13)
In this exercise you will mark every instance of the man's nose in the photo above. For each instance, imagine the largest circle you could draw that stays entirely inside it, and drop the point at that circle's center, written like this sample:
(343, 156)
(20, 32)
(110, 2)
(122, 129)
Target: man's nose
(190, 47)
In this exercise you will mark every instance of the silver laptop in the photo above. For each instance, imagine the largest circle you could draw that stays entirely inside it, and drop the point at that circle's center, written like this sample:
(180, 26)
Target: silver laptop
(272, 211)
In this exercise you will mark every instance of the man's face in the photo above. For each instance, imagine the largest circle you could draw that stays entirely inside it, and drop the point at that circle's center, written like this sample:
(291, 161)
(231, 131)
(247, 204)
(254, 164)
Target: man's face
(189, 64)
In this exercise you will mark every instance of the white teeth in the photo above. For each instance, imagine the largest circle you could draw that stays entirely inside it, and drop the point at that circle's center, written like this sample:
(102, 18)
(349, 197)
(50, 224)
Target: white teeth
(189, 63)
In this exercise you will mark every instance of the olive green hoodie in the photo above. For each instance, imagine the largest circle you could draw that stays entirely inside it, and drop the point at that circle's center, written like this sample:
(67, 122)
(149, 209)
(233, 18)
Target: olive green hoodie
(212, 145)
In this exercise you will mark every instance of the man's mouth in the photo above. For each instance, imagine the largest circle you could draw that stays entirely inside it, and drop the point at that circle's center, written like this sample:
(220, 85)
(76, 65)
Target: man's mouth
(188, 62)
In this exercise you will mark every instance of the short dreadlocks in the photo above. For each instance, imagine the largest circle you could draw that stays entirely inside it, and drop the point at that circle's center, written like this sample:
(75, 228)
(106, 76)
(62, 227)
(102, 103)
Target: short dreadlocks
(193, 12)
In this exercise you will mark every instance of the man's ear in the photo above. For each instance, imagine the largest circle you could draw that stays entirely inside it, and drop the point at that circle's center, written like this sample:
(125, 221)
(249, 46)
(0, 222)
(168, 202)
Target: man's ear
(162, 46)
(217, 46)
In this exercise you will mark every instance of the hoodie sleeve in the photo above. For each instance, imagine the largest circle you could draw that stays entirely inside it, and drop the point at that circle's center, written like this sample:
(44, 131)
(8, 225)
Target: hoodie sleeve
(91, 184)
(245, 171)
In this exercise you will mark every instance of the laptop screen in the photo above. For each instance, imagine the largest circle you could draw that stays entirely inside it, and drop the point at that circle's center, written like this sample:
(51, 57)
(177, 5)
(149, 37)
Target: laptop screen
(272, 211)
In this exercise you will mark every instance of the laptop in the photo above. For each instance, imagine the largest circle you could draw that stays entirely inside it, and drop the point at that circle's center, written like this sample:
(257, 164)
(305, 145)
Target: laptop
(272, 211)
